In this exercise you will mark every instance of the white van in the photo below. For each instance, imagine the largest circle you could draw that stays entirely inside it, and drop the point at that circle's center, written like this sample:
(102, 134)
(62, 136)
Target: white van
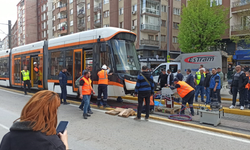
(173, 66)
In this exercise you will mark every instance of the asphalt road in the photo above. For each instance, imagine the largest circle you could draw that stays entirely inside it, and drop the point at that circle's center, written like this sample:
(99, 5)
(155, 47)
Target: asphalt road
(102, 131)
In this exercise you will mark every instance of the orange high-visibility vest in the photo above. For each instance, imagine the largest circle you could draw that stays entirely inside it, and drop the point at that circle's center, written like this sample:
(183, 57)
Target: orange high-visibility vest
(86, 88)
(151, 101)
(36, 69)
(184, 89)
(103, 77)
(248, 85)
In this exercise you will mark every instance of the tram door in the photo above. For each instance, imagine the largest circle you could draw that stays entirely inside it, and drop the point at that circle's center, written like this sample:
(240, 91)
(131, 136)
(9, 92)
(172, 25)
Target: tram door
(36, 69)
(77, 66)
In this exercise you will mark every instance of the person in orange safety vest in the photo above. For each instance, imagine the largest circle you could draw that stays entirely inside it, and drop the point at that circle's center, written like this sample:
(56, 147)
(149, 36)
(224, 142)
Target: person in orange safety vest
(36, 71)
(85, 90)
(103, 85)
(247, 91)
(186, 92)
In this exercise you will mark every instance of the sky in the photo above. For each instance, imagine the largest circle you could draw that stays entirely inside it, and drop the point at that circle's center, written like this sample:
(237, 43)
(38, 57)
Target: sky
(8, 11)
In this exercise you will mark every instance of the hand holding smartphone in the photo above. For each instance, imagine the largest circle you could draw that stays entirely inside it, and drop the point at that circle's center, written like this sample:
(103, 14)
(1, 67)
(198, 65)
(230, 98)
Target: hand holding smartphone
(62, 132)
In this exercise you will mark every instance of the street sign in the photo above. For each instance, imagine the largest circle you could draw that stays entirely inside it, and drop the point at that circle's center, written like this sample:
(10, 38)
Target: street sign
(168, 58)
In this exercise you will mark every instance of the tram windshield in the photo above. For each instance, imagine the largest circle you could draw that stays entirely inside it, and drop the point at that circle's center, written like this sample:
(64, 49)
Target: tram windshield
(126, 60)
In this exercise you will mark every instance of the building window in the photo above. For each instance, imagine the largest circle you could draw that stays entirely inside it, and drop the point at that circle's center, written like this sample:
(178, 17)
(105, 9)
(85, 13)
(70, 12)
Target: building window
(88, 18)
(71, 23)
(106, 13)
(44, 25)
(163, 23)
(88, 6)
(70, 1)
(53, 6)
(106, 25)
(134, 8)
(163, 38)
(163, 8)
(44, 34)
(217, 2)
(175, 39)
(176, 25)
(120, 11)
(71, 11)
(121, 25)
(156, 37)
(150, 37)
(134, 22)
(177, 11)
(105, 1)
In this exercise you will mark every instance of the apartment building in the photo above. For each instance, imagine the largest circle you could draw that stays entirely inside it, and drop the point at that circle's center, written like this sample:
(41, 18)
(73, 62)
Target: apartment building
(147, 18)
(64, 17)
(14, 36)
(42, 20)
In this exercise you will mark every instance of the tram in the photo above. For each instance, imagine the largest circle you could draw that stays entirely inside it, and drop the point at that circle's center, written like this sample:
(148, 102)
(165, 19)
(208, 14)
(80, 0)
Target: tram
(111, 46)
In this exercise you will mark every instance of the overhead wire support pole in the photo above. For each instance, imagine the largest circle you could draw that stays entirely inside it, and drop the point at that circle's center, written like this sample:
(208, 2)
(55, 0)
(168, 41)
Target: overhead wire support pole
(168, 29)
(9, 34)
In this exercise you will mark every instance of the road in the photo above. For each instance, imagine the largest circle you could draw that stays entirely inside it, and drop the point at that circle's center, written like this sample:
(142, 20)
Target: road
(105, 132)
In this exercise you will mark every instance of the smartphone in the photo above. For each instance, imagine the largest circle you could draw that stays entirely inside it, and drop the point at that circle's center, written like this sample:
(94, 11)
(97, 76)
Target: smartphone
(62, 126)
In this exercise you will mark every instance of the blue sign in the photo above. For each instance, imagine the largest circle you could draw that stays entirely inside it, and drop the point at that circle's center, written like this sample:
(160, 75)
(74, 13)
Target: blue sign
(243, 57)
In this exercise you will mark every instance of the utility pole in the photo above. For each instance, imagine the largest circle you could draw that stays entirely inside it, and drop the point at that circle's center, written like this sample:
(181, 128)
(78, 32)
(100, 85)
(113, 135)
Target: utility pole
(9, 33)
(168, 29)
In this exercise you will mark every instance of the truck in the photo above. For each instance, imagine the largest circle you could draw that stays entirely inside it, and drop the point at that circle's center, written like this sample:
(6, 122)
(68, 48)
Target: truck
(193, 61)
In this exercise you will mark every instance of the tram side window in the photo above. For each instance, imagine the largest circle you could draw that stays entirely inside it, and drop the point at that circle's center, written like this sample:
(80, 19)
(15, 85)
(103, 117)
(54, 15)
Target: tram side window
(105, 58)
(56, 64)
(69, 63)
(4, 67)
(17, 71)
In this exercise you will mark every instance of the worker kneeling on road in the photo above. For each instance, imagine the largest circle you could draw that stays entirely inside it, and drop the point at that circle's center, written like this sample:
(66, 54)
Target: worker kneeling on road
(103, 85)
(186, 92)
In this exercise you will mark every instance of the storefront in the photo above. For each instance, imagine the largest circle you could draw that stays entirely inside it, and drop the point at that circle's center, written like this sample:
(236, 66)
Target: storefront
(151, 62)
(242, 54)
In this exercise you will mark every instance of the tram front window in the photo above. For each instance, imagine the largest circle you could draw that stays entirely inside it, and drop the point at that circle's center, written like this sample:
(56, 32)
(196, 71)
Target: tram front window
(126, 60)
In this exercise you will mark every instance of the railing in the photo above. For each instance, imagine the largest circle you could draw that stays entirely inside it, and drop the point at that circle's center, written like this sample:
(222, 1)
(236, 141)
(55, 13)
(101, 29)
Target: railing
(240, 28)
(151, 11)
(81, 12)
(240, 3)
(149, 42)
(62, 17)
(80, 1)
(97, 7)
(63, 5)
(97, 21)
(81, 25)
(63, 28)
(150, 27)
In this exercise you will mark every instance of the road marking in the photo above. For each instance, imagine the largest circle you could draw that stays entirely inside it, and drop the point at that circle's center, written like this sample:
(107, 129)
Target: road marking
(3, 126)
(14, 92)
(187, 128)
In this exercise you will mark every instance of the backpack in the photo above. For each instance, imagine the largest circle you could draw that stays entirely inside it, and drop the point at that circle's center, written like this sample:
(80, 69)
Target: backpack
(77, 82)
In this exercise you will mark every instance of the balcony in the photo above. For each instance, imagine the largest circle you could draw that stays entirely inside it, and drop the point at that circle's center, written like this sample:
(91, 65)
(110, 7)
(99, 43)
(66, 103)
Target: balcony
(63, 18)
(240, 29)
(150, 11)
(97, 23)
(240, 5)
(81, 26)
(63, 7)
(63, 30)
(98, 7)
(149, 42)
(80, 2)
(81, 13)
(150, 28)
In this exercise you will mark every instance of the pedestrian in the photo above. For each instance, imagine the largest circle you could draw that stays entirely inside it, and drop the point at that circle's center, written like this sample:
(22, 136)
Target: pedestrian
(170, 78)
(248, 90)
(63, 84)
(36, 129)
(206, 86)
(25, 76)
(215, 86)
(78, 92)
(36, 71)
(229, 72)
(199, 82)
(190, 78)
(220, 73)
(86, 90)
(103, 85)
(246, 68)
(179, 76)
(162, 80)
(186, 92)
(238, 85)
(143, 90)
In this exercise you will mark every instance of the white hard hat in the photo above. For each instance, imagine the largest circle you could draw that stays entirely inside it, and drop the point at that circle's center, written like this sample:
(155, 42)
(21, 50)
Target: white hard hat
(202, 69)
(35, 63)
(104, 67)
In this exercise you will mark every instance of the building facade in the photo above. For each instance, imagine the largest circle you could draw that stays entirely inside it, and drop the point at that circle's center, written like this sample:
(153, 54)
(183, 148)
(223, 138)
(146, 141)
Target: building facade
(14, 37)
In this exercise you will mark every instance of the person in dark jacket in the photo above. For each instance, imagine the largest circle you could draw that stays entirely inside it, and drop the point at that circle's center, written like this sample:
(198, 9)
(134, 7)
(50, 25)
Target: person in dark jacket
(179, 76)
(215, 87)
(238, 85)
(190, 78)
(144, 89)
(206, 85)
(170, 79)
(162, 80)
(63, 84)
(36, 129)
